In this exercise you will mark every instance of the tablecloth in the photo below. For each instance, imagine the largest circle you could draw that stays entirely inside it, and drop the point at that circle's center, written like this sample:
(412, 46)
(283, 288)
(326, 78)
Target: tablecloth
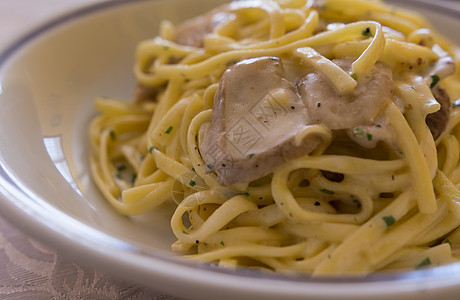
(31, 270)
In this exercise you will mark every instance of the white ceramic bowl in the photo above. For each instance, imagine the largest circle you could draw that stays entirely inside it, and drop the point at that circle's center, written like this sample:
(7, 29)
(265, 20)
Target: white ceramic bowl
(48, 81)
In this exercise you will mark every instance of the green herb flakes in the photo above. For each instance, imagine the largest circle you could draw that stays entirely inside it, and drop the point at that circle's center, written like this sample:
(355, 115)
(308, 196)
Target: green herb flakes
(434, 80)
(366, 32)
(360, 132)
(423, 263)
(112, 134)
(326, 191)
(389, 220)
(168, 131)
(191, 183)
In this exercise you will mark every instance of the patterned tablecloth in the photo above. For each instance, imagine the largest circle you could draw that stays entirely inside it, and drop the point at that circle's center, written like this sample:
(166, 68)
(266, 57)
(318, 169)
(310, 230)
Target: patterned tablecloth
(31, 270)
(28, 268)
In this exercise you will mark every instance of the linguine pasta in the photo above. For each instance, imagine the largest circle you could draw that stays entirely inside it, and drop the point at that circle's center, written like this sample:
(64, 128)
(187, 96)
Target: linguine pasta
(372, 184)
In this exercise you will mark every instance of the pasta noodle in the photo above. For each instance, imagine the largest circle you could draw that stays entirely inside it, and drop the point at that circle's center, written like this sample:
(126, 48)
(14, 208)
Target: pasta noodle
(372, 185)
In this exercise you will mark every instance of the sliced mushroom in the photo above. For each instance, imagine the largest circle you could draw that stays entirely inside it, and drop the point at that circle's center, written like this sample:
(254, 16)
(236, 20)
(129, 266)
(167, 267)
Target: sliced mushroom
(258, 113)
(360, 107)
(256, 117)
(444, 67)
(437, 122)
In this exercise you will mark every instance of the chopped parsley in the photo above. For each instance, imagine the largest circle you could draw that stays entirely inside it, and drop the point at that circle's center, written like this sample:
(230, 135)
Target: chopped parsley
(168, 131)
(360, 132)
(434, 80)
(389, 220)
(423, 263)
(191, 183)
(326, 191)
(222, 243)
(366, 32)
(112, 134)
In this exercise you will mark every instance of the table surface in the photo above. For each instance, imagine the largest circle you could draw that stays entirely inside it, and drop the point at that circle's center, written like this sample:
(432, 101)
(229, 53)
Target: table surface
(28, 268)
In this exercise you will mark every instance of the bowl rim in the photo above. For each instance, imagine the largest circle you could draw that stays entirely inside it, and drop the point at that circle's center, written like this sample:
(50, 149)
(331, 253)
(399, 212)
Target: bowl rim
(26, 211)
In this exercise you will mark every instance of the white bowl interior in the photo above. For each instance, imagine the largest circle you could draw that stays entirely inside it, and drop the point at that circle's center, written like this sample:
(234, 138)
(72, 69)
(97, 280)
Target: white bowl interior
(48, 82)
(48, 90)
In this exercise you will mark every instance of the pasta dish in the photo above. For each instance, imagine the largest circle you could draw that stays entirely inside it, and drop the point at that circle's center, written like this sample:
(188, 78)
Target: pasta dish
(293, 136)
